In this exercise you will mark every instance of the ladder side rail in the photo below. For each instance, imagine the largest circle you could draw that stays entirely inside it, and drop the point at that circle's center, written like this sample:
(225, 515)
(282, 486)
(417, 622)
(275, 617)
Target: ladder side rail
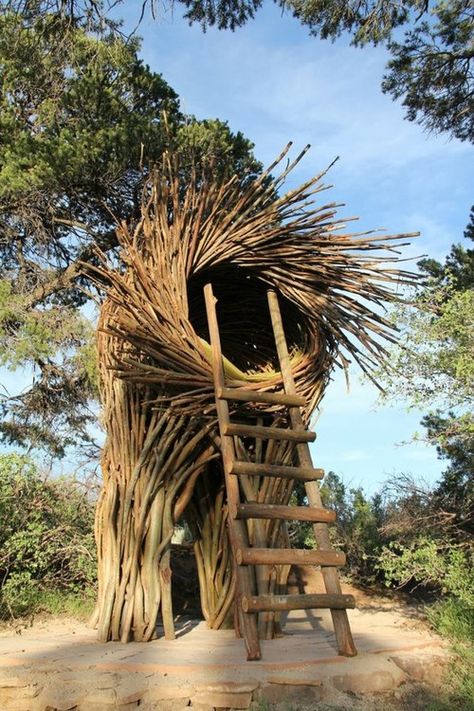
(259, 539)
(237, 528)
(340, 619)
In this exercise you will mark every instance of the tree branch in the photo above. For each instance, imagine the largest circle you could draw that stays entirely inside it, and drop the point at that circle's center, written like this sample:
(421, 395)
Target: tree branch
(66, 278)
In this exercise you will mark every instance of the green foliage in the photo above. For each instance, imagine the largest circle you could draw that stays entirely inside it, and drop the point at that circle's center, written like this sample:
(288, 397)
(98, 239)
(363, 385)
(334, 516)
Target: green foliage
(454, 495)
(356, 531)
(431, 69)
(82, 119)
(76, 110)
(425, 561)
(428, 534)
(431, 546)
(458, 268)
(371, 21)
(58, 342)
(30, 336)
(454, 620)
(211, 143)
(46, 537)
(432, 530)
(78, 604)
(223, 15)
(434, 363)
(74, 126)
(357, 528)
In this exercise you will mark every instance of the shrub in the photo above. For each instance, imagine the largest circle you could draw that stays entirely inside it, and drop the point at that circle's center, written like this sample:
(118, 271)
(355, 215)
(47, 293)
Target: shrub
(454, 620)
(357, 530)
(46, 536)
(445, 566)
(435, 564)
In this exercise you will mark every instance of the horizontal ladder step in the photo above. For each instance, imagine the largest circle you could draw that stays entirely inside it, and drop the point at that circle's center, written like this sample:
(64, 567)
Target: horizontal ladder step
(289, 556)
(275, 603)
(243, 395)
(269, 432)
(286, 513)
(279, 470)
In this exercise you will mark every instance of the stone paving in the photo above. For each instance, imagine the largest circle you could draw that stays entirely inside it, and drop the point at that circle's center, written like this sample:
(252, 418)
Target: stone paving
(65, 668)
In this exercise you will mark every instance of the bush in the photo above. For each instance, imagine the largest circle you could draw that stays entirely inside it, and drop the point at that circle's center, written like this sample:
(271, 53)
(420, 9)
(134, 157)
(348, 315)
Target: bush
(46, 537)
(454, 620)
(435, 564)
(357, 530)
(432, 548)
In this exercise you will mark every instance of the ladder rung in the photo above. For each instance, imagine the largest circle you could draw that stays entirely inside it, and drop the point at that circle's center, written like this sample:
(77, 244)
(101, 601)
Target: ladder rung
(287, 513)
(268, 432)
(243, 395)
(278, 470)
(289, 556)
(275, 603)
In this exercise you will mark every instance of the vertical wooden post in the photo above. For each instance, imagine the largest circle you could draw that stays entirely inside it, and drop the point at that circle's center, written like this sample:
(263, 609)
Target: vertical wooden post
(342, 628)
(237, 528)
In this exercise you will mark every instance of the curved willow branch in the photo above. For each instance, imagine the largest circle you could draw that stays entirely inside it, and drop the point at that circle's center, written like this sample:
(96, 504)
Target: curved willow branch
(160, 459)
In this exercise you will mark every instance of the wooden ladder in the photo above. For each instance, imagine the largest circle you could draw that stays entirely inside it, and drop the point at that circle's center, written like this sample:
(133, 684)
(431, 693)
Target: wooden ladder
(248, 604)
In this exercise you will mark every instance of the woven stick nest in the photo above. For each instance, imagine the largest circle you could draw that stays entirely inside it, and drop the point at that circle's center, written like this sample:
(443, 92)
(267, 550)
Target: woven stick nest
(161, 460)
(245, 239)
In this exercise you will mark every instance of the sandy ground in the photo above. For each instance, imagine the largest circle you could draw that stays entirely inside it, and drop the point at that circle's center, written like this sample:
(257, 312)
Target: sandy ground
(399, 660)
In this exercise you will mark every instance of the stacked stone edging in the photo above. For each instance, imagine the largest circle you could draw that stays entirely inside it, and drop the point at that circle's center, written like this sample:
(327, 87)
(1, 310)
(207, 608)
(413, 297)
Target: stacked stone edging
(45, 687)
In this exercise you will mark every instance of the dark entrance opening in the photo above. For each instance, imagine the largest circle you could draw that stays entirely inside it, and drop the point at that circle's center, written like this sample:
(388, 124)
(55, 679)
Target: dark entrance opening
(244, 320)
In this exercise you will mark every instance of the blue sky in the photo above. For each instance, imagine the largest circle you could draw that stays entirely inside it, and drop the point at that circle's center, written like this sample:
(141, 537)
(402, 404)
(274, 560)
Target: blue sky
(275, 83)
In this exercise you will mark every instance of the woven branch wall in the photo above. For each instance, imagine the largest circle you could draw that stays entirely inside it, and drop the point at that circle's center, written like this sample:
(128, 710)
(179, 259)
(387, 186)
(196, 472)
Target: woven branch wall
(161, 460)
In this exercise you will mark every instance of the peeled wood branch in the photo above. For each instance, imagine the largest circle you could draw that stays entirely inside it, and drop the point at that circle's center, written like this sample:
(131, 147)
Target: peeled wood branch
(161, 459)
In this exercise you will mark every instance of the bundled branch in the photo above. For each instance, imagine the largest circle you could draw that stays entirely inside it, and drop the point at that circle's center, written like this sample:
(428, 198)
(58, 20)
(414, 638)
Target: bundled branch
(162, 451)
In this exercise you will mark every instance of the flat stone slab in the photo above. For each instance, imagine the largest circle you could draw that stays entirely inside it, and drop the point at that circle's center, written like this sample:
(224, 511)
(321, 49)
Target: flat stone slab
(60, 666)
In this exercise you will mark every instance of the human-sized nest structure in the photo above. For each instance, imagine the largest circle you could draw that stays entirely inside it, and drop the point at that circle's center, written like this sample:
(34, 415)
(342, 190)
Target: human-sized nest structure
(161, 462)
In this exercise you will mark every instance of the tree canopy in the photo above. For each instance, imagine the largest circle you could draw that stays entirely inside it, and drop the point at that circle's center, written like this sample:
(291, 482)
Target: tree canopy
(81, 121)
(431, 65)
(435, 370)
(432, 70)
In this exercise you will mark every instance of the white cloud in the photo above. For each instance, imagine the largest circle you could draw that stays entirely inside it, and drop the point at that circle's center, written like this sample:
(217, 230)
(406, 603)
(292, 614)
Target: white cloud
(425, 453)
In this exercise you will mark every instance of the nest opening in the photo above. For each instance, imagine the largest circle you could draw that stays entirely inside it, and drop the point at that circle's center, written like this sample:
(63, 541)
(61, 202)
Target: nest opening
(244, 319)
